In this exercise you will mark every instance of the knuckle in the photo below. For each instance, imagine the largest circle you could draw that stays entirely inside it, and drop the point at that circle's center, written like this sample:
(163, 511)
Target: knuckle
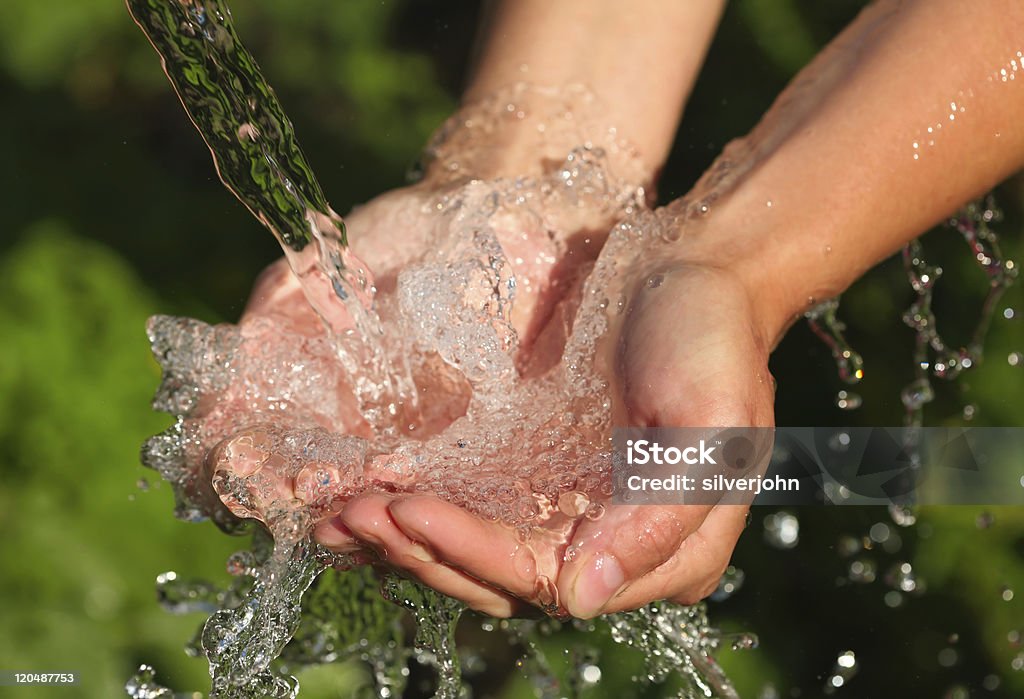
(648, 542)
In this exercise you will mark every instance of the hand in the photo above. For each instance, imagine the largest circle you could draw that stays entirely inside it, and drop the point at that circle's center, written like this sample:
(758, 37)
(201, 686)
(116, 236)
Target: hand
(690, 326)
(546, 243)
(546, 254)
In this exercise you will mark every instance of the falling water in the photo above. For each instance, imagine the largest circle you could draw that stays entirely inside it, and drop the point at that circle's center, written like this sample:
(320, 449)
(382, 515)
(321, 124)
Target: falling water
(258, 158)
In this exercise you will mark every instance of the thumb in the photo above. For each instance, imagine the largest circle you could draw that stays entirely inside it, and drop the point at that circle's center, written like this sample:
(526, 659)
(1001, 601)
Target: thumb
(609, 554)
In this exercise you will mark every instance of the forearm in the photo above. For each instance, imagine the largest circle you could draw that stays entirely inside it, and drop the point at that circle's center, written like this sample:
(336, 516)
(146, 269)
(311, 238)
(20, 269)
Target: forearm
(908, 116)
(640, 59)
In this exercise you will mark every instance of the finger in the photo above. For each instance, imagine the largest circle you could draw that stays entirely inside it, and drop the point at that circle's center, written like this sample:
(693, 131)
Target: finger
(485, 550)
(333, 534)
(620, 548)
(694, 571)
(370, 521)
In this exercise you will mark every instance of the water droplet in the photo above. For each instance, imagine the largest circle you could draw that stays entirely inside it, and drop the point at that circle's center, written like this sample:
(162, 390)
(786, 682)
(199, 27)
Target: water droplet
(901, 576)
(744, 641)
(729, 584)
(879, 532)
(848, 400)
(947, 657)
(917, 394)
(862, 570)
(843, 671)
(1015, 359)
(782, 530)
(839, 442)
(849, 546)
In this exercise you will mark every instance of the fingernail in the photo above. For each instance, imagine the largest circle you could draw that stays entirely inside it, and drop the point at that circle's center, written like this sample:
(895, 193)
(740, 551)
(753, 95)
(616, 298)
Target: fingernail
(596, 584)
(420, 553)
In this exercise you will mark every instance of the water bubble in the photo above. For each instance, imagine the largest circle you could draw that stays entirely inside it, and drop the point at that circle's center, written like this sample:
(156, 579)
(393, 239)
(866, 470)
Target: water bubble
(893, 599)
(970, 410)
(142, 484)
(1006, 593)
(990, 683)
(1009, 313)
(1015, 358)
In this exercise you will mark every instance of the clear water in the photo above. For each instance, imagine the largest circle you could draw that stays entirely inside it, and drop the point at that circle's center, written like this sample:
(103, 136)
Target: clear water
(287, 421)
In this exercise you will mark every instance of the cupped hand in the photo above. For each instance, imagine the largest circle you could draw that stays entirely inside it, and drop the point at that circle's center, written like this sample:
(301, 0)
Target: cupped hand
(546, 247)
(688, 351)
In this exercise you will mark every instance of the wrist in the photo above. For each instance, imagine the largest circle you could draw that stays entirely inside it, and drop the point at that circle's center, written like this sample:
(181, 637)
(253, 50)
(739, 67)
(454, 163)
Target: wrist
(785, 257)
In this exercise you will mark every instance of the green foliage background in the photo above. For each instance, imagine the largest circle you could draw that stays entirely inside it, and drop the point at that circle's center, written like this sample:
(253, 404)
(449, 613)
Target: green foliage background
(112, 212)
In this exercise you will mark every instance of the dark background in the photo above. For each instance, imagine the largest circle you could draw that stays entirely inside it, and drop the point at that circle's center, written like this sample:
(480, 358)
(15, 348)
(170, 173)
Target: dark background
(112, 212)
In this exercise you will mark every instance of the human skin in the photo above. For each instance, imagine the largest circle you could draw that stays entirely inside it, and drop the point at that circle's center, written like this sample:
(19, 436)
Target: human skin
(825, 187)
(618, 55)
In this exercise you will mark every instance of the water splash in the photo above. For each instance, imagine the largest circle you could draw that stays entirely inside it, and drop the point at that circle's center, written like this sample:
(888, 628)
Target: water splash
(824, 322)
(676, 640)
(242, 642)
(287, 424)
(143, 685)
(436, 617)
(933, 355)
